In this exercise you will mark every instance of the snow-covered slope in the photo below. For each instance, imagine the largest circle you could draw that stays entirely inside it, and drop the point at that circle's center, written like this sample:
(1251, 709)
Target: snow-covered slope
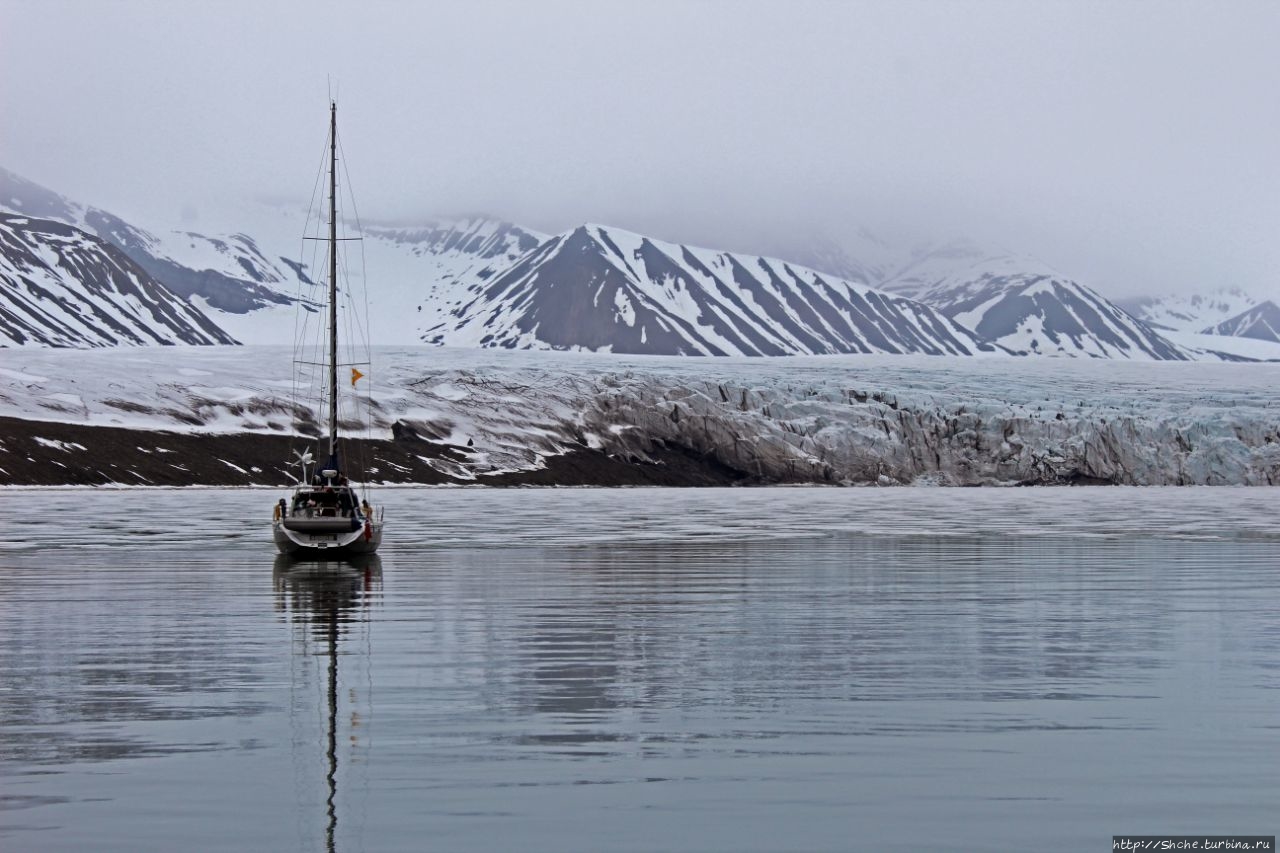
(422, 272)
(1191, 312)
(63, 287)
(1026, 307)
(1225, 347)
(604, 289)
(931, 264)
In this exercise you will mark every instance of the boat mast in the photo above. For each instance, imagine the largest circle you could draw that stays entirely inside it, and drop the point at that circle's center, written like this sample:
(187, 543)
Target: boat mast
(333, 285)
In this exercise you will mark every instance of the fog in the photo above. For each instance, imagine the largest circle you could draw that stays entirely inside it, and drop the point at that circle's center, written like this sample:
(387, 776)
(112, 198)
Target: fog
(1130, 145)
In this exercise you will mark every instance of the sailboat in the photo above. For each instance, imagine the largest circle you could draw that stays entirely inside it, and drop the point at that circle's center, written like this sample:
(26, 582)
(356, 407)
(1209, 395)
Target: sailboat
(325, 515)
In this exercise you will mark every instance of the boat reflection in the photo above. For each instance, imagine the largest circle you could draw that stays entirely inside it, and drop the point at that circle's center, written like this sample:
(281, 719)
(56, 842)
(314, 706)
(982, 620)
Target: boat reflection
(316, 592)
(327, 601)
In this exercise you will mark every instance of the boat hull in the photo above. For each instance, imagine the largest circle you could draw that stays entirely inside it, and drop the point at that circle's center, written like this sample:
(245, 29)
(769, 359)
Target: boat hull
(303, 543)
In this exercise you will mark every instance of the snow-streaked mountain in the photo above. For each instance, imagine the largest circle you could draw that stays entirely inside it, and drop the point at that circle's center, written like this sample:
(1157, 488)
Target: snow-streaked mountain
(931, 264)
(1262, 322)
(61, 286)
(605, 289)
(1026, 307)
(1191, 312)
(228, 274)
(1228, 320)
(415, 273)
(479, 281)
(250, 281)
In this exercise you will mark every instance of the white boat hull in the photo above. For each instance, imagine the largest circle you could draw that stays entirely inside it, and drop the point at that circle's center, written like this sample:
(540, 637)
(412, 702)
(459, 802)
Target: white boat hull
(298, 543)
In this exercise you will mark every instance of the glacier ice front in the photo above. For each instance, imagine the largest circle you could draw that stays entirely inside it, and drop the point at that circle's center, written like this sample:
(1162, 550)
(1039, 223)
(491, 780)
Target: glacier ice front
(832, 419)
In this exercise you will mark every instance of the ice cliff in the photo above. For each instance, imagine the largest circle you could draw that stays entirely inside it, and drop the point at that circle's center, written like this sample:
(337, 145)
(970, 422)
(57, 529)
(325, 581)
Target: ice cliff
(858, 431)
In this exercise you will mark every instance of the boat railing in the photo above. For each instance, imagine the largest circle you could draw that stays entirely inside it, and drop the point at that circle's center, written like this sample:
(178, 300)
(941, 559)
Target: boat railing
(322, 512)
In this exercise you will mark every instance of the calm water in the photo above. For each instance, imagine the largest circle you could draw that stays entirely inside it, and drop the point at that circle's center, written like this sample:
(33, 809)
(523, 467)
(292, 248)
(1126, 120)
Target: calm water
(636, 670)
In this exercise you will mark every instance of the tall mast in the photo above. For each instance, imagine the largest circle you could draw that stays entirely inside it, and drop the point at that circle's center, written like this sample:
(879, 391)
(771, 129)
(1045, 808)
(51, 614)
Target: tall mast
(333, 285)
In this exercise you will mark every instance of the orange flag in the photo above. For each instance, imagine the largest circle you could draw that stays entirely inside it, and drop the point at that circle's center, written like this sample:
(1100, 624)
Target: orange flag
(355, 376)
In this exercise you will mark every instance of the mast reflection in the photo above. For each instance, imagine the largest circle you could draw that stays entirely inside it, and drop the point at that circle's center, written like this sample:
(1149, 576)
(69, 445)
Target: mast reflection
(325, 600)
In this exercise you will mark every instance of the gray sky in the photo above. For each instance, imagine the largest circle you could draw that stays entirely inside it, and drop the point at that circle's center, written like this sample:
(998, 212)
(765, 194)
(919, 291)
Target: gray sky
(1132, 145)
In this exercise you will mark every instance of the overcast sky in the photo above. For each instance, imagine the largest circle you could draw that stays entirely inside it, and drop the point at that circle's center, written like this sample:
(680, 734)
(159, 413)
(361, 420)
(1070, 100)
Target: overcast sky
(1132, 145)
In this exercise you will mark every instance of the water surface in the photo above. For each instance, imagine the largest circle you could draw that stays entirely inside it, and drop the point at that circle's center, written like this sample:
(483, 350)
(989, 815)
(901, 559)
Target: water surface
(633, 670)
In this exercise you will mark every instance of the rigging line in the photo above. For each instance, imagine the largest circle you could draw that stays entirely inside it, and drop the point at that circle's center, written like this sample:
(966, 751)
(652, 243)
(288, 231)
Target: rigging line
(299, 312)
(358, 329)
(358, 456)
(306, 223)
(339, 294)
(350, 314)
(305, 388)
(364, 280)
(350, 195)
(362, 328)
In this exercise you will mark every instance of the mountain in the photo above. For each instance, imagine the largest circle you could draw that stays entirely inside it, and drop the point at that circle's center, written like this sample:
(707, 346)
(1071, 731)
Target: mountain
(1025, 307)
(479, 281)
(425, 271)
(223, 275)
(454, 249)
(854, 254)
(1261, 322)
(251, 282)
(61, 286)
(1191, 312)
(930, 264)
(606, 289)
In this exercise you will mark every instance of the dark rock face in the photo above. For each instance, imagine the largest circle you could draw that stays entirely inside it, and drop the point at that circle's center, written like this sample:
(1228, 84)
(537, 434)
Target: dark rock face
(61, 286)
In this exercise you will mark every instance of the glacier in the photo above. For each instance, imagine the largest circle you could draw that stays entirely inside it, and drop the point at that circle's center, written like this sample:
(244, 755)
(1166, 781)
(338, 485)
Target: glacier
(841, 419)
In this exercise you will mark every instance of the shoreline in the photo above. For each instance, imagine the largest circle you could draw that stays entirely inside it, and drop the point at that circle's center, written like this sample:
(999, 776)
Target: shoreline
(52, 454)
(56, 455)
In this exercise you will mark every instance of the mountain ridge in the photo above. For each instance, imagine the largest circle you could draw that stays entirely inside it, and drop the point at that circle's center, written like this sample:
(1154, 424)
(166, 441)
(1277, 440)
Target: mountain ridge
(436, 279)
(602, 288)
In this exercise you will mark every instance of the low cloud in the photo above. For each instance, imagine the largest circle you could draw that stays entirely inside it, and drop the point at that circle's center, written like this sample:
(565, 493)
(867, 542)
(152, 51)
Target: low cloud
(1129, 145)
